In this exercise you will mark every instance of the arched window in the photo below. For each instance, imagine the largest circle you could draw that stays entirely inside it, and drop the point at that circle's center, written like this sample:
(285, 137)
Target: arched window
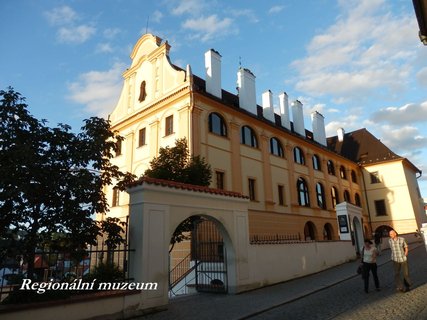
(316, 162)
(357, 200)
(347, 196)
(299, 156)
(331, 167)
(328, 232)
(334, 197)
(320, 195)
(276, 147)
(309, 231)
(217, 124)
(302, 190)
(353, 176)
(248, 137)
(343, 174)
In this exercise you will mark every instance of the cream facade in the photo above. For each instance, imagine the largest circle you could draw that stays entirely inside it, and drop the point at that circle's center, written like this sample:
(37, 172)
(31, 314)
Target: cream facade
(292, 175)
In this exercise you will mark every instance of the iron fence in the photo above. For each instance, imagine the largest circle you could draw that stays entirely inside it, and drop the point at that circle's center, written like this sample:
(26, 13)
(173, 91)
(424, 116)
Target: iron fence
(62, 266)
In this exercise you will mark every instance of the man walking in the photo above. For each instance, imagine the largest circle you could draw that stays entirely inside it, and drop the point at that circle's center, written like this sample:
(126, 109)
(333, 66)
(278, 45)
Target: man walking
(399, 252)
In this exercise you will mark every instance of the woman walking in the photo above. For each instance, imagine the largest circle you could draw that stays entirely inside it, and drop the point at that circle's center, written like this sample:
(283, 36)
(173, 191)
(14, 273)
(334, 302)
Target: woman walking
(369, 260)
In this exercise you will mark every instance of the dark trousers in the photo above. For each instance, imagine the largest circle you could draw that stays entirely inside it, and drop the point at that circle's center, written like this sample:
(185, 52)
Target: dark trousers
(367, 268)
(401, 266)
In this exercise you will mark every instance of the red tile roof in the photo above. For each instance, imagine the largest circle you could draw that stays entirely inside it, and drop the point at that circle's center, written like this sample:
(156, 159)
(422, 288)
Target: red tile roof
(186, 186)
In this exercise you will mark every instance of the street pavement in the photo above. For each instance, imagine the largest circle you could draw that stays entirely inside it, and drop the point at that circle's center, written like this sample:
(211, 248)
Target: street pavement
(336, 293)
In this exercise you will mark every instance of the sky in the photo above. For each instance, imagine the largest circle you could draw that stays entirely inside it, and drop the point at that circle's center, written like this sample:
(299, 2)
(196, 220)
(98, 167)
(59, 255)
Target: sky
(359, 63)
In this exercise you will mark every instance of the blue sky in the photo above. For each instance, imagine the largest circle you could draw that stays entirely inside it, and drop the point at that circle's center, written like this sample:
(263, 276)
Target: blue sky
(359, 63)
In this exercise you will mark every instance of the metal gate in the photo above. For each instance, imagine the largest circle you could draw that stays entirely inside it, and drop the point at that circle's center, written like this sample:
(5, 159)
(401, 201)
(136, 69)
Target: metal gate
(210, 256)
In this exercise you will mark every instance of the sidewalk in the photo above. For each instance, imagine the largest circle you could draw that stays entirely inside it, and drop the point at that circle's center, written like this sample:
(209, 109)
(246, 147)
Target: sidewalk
(241, 306)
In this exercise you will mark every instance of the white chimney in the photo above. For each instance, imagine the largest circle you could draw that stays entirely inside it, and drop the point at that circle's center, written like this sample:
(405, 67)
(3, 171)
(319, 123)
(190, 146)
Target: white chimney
(318, 123)
(246, 88)
(340, 132)
(298, 117)
(267, 106)
(284, 110)
(213, 72)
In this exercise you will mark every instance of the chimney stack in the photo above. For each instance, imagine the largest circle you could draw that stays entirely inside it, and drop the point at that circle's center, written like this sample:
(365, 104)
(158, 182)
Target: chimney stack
(318, 123)
(246, 89)
(213, 73)
(340, 133)
(298, 117)
(284, 110)
(267, 106)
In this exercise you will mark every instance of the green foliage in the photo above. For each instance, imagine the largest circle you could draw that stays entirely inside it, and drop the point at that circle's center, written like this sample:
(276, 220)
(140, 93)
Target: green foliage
(51, 179)
(176, 164)
(105, 272)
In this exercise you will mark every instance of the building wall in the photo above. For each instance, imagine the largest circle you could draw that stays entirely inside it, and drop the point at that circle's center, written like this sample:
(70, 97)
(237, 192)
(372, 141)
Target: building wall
(398, 188)
(266, 215)
(170, 91)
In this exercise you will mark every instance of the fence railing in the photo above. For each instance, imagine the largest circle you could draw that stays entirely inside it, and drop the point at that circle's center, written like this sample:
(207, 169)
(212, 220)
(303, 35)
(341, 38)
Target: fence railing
(60, 266)
(274, 238)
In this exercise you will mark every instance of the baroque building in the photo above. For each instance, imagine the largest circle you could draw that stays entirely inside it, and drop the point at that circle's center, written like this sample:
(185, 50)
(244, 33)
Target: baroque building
(294, 177)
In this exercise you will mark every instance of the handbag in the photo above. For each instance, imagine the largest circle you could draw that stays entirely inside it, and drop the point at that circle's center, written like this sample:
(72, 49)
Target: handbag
(359, 269)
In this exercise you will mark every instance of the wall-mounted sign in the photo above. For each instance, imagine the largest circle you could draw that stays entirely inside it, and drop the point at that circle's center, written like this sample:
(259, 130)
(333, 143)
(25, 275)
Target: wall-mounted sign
(343, 223)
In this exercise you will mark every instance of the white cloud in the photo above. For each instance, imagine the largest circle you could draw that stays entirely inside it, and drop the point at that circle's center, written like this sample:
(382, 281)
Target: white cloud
(367, 51)
(207, 28)
(192, 7)
(275, 9)
(156, 16)
(111, 33)
(75, 35)
(61, 15)
(422, 77)
(404, 140)
(247, 13)
(407, 114)
(104, 48)
(98, 90)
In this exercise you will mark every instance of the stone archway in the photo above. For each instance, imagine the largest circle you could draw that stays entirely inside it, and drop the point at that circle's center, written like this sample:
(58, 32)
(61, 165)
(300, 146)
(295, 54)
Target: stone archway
(157, 207)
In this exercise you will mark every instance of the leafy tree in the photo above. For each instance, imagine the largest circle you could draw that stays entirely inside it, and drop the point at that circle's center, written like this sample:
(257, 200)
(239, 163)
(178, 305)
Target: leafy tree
(176, 164)
(51, 179)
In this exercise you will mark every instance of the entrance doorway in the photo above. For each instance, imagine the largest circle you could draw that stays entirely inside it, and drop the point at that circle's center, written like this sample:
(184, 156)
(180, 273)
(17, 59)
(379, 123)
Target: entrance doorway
(204, 266)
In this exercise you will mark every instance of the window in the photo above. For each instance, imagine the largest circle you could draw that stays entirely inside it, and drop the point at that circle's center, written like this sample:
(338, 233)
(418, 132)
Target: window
(217, 124)
(316, 162)
(320, 195)
(375, 177)
(141, 137)
(334, 197)
(302, 190)
(353, 176)
(327, 231)
(380, 208)
(280, 190)
(251, 186)
(343, 174)
(347, 196)
(219, 180)
(169, 125)
(276, 147)
(116, 197)
(299, 156)
(357, 200)
(331, 167)
(309, 231)
(118, 148)
(248, 137)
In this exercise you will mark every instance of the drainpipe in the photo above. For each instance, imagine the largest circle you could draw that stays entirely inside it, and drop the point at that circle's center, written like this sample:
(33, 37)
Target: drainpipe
(366, 198)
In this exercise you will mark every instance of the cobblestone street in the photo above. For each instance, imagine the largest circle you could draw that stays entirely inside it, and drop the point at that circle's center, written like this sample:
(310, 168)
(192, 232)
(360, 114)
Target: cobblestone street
(347, 300)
